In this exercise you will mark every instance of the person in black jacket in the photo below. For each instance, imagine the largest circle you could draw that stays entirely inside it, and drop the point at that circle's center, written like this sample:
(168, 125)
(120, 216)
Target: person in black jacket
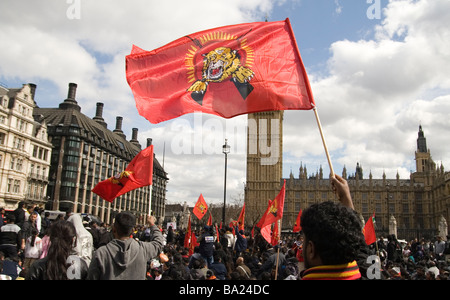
(241, 242)
(19, 214)
(11, 238)
(206, 248)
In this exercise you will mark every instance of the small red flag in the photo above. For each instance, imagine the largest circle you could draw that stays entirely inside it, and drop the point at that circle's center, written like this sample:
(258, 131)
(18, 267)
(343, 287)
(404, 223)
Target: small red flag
(200, 207)
(369, 231)
(187, 236)
(241, 219)
(266, 232)
(226, 71)
(139, 173)
(275, 209)
(209, 223)
(297, 226)
(217, 233)
(275, 234)
(193, 243)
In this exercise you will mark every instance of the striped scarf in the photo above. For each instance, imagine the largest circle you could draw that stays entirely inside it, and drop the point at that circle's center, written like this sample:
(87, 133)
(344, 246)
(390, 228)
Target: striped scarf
(348, 271)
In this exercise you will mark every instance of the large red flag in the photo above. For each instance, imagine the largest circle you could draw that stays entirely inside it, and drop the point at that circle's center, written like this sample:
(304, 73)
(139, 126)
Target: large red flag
(200, 207)
(226, 71)
(138, 173)
(369, 231)
(275, 210)
(297, 226)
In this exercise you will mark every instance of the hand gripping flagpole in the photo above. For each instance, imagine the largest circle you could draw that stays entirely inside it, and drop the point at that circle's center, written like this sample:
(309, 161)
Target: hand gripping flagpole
(324, 142)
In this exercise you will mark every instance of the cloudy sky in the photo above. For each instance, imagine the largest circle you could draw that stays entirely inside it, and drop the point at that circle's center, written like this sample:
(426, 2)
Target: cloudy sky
(378, 70)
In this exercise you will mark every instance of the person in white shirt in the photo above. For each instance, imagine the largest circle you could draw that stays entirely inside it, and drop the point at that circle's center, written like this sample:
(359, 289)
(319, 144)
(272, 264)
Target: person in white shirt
(33, 248)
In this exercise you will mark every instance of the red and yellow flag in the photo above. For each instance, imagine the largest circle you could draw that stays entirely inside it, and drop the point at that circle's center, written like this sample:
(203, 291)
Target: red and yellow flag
(274, 211)
(139, 173)
(369, 231)
(241, 219)
(297, 226)
(200, 207)
(226, 71)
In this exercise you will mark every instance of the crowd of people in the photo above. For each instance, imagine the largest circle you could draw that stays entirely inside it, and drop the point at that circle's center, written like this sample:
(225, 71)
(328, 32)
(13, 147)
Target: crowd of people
(330, 246)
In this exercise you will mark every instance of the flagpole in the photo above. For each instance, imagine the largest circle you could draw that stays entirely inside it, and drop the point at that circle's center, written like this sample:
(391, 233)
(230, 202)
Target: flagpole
(278, 251)
(323, 141)
(150, 201)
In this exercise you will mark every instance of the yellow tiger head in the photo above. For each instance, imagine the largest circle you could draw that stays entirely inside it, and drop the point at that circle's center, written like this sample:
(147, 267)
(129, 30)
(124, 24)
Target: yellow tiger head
(219, 64)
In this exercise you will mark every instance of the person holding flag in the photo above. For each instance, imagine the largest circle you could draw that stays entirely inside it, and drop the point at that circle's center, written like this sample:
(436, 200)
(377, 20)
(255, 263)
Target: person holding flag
(333, 237)
(241, 242)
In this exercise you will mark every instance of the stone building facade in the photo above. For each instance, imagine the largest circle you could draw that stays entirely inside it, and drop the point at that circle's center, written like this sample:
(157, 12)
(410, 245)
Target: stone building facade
(24, 149)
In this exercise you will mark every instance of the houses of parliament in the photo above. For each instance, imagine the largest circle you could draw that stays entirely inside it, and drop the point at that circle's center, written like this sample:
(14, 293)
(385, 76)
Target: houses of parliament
(418, 205)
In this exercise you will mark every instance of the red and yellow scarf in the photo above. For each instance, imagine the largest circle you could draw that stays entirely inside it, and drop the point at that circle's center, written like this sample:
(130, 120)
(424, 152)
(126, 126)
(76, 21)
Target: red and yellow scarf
(348, 271)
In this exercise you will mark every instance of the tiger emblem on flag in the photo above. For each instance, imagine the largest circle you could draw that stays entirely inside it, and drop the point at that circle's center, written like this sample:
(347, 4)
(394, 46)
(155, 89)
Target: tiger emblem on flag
(120, 178)
(219, 65)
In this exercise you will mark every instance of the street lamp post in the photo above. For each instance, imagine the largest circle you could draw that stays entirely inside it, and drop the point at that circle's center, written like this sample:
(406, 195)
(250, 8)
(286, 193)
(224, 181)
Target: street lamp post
(225, 150)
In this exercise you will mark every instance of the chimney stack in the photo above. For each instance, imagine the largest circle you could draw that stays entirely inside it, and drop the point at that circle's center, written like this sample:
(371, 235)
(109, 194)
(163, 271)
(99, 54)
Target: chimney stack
(118, 129)
(99, 115)
(72, 91)
(32, 89)
(134, 139)
(149, 142)
(70, 102)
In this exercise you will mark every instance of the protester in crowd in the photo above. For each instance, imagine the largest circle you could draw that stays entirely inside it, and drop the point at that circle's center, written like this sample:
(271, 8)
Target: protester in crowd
(240, 244)
(206, 248)
(45, 223)
(29, 225)
(230, 237)
(11, 238)
(333, 237)
(33, 248)
(19, 213)
(199, 269)
(84, 247)
(219, 269)
(439, 248)
(244, 271)
(59, 264)
(2, 216)
(170, 235)
(93, 228)
(178, 269)
(124, 257)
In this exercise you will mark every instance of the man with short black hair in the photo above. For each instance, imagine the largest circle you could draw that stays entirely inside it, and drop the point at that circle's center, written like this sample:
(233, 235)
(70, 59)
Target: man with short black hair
(124, 258)
(333, 237)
